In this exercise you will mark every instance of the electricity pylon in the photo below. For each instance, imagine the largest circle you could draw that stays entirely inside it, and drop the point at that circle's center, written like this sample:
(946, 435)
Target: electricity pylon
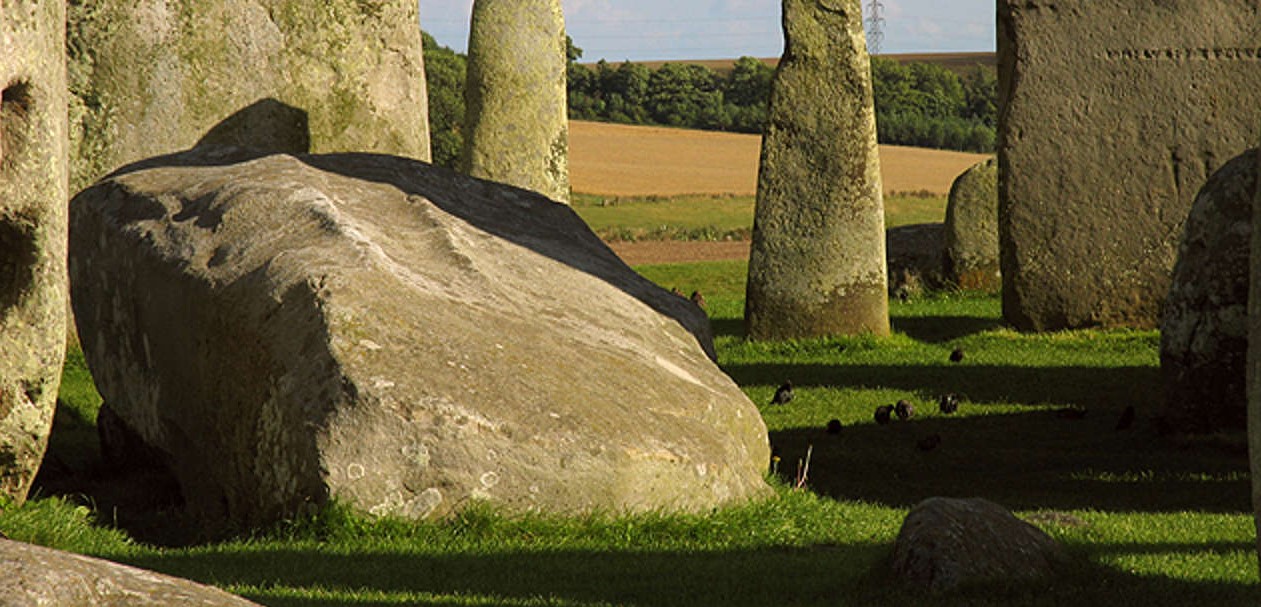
(874, 24)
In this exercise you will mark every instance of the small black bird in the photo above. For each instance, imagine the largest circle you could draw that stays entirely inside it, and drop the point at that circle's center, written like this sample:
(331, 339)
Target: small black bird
(783, 394)
(834, 426)
(883, 413)
(949, 403)
(1127, 418)
(676, 292)
(904, 409)
(1071, 413)
(956, 355)
(698, 299)
(928, 443)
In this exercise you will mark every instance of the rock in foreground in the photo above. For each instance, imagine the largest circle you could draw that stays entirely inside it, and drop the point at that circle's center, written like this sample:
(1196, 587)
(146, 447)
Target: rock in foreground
(34, 575)
(402, 338)
(945, 543)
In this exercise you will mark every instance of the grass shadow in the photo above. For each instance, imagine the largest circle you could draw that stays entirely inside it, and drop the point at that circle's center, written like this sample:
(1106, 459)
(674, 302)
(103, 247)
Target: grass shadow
(1078, 386)
(851, 574)
(1025, 461)
(941, 329)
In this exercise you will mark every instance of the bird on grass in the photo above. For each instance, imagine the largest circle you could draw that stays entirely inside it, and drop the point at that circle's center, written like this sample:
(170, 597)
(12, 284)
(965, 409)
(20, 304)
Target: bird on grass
(1127, 418)
(949, 403)
(904, 409)
(783, 394)
(698, 299)
(956, 355)
(676, 292)
(834, 426)
(928, 443)
(883, 413)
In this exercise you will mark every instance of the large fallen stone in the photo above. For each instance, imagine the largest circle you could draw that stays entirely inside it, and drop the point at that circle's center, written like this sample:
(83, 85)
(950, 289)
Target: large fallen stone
(32, 234)
(35, 575)
(817, 260)
(397, 336)
(946, 543)
(1204, 332)
(150, 78)
(971, 260)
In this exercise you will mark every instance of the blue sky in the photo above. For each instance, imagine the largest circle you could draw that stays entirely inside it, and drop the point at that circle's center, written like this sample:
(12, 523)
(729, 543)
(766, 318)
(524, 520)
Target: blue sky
(642, 30)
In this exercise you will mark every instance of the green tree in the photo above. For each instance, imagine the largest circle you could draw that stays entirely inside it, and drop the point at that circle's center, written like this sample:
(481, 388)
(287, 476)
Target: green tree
(685, 95)
(444, 77)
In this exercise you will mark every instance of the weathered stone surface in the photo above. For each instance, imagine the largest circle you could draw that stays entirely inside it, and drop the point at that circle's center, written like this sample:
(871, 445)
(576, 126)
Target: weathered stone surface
(1254, 359)
(971, 260)
(1204, 333)
(517, 114)
(1107, 133)
(945, 543)
(153, 77)
(915, 258)
(398, 336)
(817, 263)
(32, 233)
(35, 575)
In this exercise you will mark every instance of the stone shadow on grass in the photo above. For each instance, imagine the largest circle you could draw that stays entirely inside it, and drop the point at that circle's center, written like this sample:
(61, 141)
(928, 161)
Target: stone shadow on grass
(941, 329)
(1035, 460)
(1076, 386)
(811, 575)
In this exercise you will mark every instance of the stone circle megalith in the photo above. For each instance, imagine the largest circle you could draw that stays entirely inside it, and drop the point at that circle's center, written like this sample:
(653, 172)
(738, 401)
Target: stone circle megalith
(150, 78)
(1112, 119)
(32, 234)
(971, 256)
(817, 263)
(517, 117)
(1204, 331)
(398, 336)
(1253, 373)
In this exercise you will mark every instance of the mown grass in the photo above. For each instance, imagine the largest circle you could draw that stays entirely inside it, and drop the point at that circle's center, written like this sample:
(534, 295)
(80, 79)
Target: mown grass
(710, 217)
(1153, 524)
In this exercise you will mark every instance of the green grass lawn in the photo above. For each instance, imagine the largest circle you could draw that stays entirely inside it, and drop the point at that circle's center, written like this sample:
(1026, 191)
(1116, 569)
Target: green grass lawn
(704, 217)
(1162, 524)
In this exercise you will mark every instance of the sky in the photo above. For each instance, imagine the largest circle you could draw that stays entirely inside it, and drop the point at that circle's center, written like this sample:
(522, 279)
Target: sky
(645, 30)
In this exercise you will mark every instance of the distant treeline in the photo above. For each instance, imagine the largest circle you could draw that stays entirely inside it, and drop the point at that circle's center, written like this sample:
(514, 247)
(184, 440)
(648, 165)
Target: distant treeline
(919, 104)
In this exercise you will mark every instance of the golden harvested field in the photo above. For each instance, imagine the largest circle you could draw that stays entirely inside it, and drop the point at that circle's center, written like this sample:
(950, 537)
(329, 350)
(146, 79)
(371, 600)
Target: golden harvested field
(622, 160)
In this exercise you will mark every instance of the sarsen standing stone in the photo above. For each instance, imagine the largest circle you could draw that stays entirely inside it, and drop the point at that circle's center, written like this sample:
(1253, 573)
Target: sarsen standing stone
(32, 233)
(1113, 116)
(403, 338)
(817, 263)
(517, 113)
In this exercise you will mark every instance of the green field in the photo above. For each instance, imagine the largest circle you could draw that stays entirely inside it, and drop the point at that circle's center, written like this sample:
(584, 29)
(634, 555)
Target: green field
(705, 217)
(1160, 523)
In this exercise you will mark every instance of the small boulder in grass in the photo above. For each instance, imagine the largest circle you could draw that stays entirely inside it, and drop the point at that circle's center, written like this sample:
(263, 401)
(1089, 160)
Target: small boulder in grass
(946, 543)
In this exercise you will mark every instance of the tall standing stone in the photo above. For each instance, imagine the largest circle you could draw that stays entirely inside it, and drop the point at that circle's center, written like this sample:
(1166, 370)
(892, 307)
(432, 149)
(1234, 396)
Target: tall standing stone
(150, 77)
(1113, 119)
(1254, 359)
(817, 265)
(517, 116)
(32, 233)
(971, 257)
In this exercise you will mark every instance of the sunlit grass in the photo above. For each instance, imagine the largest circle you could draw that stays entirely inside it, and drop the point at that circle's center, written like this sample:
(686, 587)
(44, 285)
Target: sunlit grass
(711, 217)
